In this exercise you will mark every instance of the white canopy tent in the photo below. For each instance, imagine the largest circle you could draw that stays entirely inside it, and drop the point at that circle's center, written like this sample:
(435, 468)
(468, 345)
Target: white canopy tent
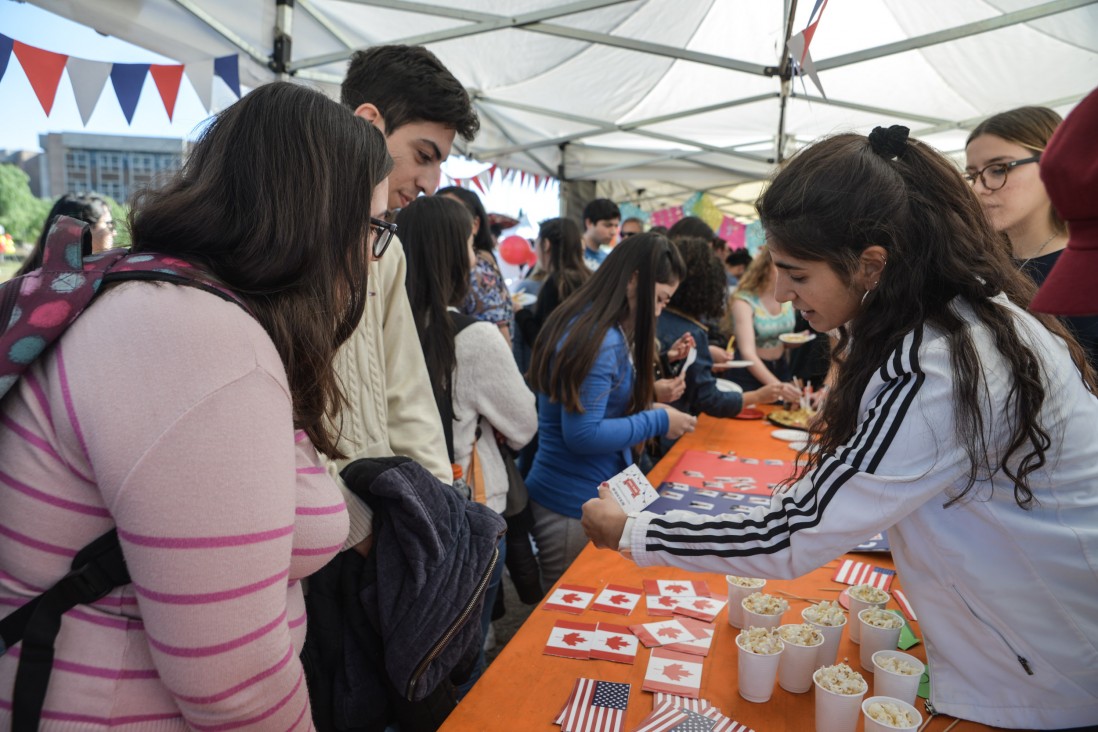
(665, 96)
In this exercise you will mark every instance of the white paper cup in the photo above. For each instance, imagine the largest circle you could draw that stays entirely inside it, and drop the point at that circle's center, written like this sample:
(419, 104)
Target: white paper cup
(875, 639)
(736, 593)
(872, 725)
(797, 666)
(836, 712)
(833, 635)
(753, 619)
(856, 606)
(756, 674)
(904, 687)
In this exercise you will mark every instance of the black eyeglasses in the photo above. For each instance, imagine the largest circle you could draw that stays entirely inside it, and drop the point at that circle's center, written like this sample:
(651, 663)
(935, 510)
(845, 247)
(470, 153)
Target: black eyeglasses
(383, 235)
(994, 176)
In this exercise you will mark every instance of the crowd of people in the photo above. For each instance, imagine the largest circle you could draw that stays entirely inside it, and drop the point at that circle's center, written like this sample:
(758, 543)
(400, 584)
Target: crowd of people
(369, 320)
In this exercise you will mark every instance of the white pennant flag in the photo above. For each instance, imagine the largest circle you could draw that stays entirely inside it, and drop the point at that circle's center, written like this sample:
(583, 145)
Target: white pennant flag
(88, 79)
(200, 74)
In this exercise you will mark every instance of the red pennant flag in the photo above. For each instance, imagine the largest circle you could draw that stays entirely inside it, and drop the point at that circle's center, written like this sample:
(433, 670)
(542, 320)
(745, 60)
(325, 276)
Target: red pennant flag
(167, 78)
(43, 69)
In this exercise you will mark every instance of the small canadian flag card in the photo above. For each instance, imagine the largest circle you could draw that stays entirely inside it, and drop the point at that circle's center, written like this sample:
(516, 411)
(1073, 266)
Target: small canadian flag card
(570, 599)
(676, 588)
(674, 673)
(702, 608)
(614, 643)
(662, 633)
(570, 639)
(660, 604)
(699, 646)
(617, 599)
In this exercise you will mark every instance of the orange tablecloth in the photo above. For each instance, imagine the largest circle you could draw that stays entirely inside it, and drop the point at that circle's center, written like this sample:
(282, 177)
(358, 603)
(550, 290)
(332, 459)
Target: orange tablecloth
(524, 689)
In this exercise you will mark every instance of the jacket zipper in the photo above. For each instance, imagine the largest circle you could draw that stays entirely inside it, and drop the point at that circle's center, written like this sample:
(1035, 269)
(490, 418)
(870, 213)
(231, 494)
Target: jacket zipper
(1021, 659)
(455, 626)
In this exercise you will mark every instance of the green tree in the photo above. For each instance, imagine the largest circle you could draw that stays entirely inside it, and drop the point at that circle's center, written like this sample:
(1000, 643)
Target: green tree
(22, 214)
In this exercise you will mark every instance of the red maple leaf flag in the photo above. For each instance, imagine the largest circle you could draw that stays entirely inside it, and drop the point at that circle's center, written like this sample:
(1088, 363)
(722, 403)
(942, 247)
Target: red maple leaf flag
(661, 596)
(677, 589)
(570, 599)
(668, 601)
(614, 643)
(617, 599)
(674, 673)
(570, 639)
(596, 706)
(699, 646)
(702, 604)
(702, 608)
(662, 633)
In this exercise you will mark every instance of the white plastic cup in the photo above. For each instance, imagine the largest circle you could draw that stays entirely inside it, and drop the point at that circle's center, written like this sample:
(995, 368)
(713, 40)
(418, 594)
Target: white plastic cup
(752, 619)
(904, 687)
(798, 663)
(856, 606)
(836, 712)
(833, 635)
(756, 673)
(736, 593)
(876, 639)
(872, 725)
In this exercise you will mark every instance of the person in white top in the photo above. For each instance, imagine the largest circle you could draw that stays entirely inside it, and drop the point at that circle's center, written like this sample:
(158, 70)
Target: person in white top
(958, 421)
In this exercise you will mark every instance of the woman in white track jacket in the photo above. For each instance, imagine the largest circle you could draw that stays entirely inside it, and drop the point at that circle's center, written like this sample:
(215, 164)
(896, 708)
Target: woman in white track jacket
(959, 422)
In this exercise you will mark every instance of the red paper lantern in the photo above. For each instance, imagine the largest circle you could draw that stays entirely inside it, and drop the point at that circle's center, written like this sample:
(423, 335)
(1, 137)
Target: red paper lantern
(517, 251)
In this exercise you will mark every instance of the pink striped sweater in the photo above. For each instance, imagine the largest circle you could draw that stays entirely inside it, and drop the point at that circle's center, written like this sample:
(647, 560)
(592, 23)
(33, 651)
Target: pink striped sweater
(165, 411)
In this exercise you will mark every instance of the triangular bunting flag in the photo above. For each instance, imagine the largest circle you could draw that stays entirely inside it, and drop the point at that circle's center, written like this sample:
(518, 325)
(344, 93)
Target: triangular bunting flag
(128, 80)
(43, 70)
(167, 78)
(5, 53)
(88, 79)
(228, 68)
(810, 30)
(200, 74)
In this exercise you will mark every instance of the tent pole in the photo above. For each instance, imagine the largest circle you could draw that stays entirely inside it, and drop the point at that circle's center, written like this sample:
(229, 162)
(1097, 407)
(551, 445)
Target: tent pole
(785, 74)
(283, 39)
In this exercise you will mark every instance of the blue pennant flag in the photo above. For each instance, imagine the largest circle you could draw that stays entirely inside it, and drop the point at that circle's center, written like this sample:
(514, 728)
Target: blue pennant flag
(228, 68)
(128, 80)
(5, 53)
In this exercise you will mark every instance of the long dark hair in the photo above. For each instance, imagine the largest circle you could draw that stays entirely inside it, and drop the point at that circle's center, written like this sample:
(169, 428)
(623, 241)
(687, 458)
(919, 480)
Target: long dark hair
(89, 208)
(274, 200)
(565, 263)
(434, 231)
(482, 240)
(580, 324)
(701, 292)
(838, 197)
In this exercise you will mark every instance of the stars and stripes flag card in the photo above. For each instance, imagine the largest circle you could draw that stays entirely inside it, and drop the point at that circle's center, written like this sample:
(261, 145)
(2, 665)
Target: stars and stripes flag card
(699, 646)
(661, 720)
(662, 699)
(614, 643)
(662, 633)
(851, 572)
(596, 706)
(570, 599)
(694, 722)
(674, 673)
(723, 723)
(905, 605)
(570, 639)
(617, 599)
(702, 608)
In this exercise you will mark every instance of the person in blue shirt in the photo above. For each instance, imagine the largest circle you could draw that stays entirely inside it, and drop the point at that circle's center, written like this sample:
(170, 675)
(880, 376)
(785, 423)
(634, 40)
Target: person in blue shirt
(600, 228)
(700, 296)
(594, 405)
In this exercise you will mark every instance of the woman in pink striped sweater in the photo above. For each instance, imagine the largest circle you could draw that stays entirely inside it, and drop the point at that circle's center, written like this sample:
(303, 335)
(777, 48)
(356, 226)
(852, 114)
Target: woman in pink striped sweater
(190, 425)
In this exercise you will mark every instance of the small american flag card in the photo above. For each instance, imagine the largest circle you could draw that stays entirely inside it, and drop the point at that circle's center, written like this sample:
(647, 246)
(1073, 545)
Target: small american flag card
(661, 720)
(596, 706)
(851, 572)
(570, 599)
(617, 599)
(695, 722)
(661, 699)
(570, 639)
(723, 723)
(662, 633)
(674, 673)
(614, 643)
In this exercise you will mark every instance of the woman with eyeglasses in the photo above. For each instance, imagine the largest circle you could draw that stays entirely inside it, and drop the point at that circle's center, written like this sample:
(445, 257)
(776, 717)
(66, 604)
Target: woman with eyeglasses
(1002, 164)
(958, 421)
(88, 208)
(593, 374)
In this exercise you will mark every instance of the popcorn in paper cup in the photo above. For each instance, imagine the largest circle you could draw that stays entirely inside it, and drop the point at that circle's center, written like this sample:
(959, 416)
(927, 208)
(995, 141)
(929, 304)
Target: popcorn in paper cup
(841, 679)
(763, 604)
(764, 641)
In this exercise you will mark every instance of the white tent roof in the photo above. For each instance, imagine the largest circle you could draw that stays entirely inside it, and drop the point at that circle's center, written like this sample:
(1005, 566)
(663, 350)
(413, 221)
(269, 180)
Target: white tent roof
(672, 96)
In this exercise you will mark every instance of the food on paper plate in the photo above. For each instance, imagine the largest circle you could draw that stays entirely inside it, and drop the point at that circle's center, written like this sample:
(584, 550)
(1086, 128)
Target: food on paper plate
(796, 338)
(841, 679)
(764, 641)
(796, 418)
(890, 715)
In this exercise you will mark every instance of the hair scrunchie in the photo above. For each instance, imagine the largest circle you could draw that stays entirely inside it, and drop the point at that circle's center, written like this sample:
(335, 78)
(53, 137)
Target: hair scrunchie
(889, 143)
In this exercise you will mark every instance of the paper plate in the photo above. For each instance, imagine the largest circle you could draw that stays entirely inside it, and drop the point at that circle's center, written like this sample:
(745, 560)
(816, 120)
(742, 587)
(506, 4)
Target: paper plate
(788, 435)
(795, 339)
(524, 299)
(797, 445)
(749, 414)
(728, 386)
(731, 365)
(844, 598)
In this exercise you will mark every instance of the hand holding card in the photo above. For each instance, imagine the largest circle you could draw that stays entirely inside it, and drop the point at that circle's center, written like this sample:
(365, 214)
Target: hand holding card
(631, 490)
